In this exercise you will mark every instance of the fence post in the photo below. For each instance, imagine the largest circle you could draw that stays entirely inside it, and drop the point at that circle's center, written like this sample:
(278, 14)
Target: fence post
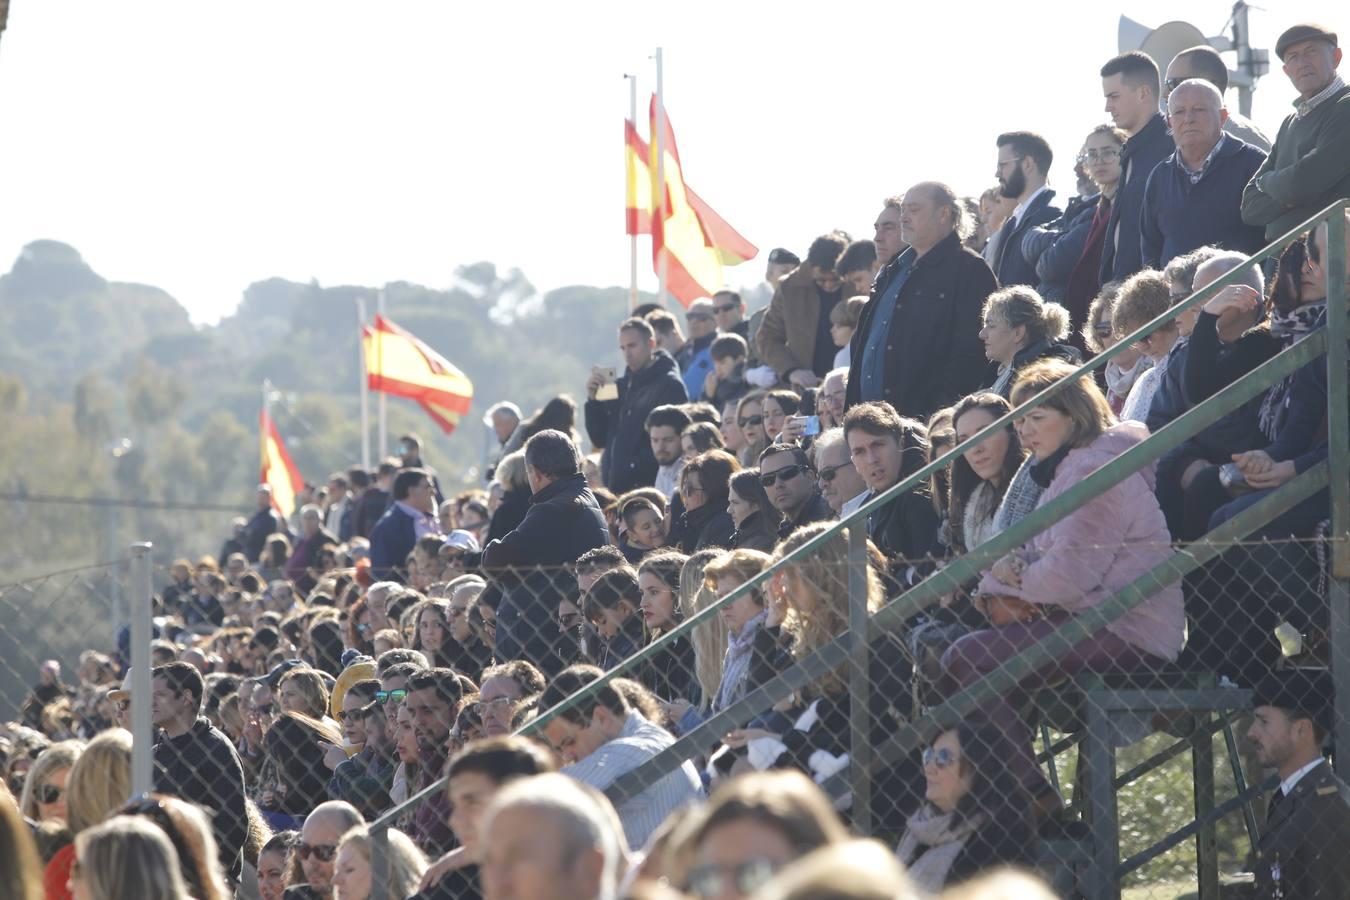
(379, 863)
(141, 597)
(1338, 396)
(859, 681)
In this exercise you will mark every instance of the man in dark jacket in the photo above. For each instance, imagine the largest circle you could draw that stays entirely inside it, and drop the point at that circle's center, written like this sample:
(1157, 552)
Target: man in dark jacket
(652, 380)
(265, 523)
(917, 345)
(197, 763)
(1023, 161)
(1130, 85)
(1194, 197)
(375, 500)
(410, 518)
(1307, 167)
(790, 481)
(563, 522)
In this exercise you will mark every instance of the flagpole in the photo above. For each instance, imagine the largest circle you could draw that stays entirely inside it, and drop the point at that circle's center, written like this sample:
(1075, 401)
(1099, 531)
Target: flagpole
(382, 407)
(632, 238)
(660, 138)
(365, 385)
(266, 417)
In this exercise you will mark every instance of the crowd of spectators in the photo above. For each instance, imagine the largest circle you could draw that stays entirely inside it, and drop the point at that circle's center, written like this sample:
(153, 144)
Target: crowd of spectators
(321, 671)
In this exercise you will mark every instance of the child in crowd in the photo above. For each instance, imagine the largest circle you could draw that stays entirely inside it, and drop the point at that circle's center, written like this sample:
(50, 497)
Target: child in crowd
(843, 322)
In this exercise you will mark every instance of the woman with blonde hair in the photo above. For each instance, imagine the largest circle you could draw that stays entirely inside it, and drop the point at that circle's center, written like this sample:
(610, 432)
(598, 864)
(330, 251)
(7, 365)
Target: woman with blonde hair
(1020, 328)
(302, 690)
(1074, 565)
(750, 421)
(126, 857)
(20, 866)
(351, 866)
(99, 783)
(44, 790)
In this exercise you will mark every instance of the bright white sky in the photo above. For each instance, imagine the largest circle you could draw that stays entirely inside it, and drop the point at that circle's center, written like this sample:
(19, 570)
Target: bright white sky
(203, 146)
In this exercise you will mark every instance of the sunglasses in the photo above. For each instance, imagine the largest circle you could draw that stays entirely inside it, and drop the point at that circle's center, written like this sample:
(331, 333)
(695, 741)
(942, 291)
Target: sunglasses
(828, 473)
(786, 473)
(1171, 83)
(385, 696)
(324, 852)
(50, 793)
(360, 712)
(747, 877)
(750, 421)
(122, 705)
(941, 758)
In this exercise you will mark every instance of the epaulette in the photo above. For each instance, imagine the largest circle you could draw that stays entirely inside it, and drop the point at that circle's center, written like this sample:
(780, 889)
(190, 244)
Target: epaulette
(1329, 791)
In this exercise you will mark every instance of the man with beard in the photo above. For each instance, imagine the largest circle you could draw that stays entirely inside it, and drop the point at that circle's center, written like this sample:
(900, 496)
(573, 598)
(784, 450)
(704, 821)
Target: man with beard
(433, 700)
(664, 425)
(1302, 848)
(1023, 161)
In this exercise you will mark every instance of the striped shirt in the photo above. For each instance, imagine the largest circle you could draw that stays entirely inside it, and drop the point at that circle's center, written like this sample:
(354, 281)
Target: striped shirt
(638, 742)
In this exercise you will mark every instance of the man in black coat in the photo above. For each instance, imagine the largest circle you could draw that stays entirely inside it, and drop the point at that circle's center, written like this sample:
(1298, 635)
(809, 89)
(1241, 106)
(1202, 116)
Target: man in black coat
(563, 522)
(1130, 85)
(917, 345)
(265, 523)
(1024, 159)
(197, 763)
(374, 500)
(652, 380)
(1302, 851)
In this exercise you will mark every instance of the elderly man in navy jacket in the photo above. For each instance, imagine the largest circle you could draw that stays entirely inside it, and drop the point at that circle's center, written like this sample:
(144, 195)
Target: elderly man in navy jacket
(562, 523)
(1194, 197)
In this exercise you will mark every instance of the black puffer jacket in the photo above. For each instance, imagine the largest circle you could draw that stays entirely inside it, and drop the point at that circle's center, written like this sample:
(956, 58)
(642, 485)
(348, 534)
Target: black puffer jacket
(620, 425)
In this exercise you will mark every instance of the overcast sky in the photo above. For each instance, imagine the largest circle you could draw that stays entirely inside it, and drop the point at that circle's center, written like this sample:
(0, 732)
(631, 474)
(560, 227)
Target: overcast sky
(203, 146)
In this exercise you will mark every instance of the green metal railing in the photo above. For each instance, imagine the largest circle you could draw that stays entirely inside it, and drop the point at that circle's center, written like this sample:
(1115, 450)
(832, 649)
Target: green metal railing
(846, 649)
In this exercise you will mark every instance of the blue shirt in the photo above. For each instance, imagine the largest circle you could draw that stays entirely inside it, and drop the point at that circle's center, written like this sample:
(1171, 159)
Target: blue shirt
(872, 365)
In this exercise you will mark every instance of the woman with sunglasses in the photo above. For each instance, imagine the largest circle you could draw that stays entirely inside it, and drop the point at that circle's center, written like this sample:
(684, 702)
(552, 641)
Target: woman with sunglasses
(975, 814)
(704, 489)
(1144, 297)
(44, 790)
(751, 512)
(1122, 370)
(99, 783)
(750, 423)
(360, 633)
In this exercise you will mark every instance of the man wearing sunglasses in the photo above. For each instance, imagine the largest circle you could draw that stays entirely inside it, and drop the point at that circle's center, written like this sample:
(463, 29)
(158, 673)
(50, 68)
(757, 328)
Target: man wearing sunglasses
(788, 479)
(729, 311)
(840, 484)
(319, 838)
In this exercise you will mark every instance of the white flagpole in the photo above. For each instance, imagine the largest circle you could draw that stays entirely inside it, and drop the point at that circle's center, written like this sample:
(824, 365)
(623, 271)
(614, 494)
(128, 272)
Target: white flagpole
(382, 405)
(660, 139)
(632, 238)
(365, 387)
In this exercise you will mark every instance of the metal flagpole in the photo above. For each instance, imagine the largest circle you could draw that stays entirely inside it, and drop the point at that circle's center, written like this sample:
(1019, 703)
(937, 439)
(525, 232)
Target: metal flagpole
(660, 139)
(632, 238)
(365, 386)
(382, 404)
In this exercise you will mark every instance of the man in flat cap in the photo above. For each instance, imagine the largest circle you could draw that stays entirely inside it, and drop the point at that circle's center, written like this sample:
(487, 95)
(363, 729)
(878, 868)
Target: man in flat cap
(1309, 166)
(1304, 851)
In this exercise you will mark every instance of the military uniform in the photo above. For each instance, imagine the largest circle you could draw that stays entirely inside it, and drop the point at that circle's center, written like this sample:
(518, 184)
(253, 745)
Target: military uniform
(1304, 852)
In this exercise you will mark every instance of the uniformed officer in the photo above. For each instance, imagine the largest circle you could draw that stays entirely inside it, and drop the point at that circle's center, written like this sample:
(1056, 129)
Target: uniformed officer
(1304, 851)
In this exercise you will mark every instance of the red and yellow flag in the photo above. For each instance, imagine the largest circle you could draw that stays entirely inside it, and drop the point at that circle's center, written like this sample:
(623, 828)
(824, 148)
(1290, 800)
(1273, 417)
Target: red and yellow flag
(400, 364)
(695, 241)
(278, 470)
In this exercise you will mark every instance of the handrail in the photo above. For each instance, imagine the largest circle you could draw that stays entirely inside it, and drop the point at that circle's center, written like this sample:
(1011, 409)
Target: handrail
(986, 553)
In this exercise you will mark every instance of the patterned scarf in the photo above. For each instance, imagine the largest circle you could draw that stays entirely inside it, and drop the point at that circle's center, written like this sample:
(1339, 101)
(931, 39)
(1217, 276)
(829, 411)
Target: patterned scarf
(1020, 499)
(737, 663)
(931, 844)
(1289, 327)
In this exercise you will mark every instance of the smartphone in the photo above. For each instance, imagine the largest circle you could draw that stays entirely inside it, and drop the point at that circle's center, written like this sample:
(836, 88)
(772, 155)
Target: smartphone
(609, 390)
(810, 424)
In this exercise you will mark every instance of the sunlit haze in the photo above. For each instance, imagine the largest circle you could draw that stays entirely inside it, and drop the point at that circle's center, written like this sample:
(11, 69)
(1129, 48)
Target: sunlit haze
(200, 147)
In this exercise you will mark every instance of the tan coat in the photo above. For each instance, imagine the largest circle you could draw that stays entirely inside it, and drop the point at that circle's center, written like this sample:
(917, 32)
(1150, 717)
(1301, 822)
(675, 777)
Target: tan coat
(787, 337)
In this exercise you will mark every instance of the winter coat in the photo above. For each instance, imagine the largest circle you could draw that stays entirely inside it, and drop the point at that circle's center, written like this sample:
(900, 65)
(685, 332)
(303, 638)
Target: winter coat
(1042, 349)
(1121, 256)
(1102, 547)
(755, 533)
(202, 767)
(619, 426)
(510, 513)
(934, 355)
(786, 338)
(391, 540)
(1177, 216)
(1054, 249)
(1013, 267)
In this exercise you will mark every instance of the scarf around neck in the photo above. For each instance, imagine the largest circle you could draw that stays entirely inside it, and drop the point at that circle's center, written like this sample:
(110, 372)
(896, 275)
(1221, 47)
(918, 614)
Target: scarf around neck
(737, 663)
(1290, 328)
(931, 844)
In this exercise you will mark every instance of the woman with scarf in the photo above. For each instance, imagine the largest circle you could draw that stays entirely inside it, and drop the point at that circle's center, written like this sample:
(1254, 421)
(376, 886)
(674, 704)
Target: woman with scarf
(975, 816)
(1020, 328)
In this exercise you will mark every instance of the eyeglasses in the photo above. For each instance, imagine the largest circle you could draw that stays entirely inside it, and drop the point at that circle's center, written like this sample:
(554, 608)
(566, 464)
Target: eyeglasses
(50, 793)
(828, 473)
(941, 758)
(324, 852)
(1107, 154)
(787, 473)
(747, 877)
(1009, 162)
(726, 307)
(363, 627)
(487, 706)
(750, 421)
(395, 695)
(1172, 83)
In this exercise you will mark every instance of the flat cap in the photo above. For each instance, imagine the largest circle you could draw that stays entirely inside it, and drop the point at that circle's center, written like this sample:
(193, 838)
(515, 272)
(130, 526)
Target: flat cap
(783, 255)
(1307, 31)
(1307, 691)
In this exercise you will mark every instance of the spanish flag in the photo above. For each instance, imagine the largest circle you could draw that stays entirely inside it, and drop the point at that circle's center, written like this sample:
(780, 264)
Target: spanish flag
(400, 364)
(694, 239)
(278, 470)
